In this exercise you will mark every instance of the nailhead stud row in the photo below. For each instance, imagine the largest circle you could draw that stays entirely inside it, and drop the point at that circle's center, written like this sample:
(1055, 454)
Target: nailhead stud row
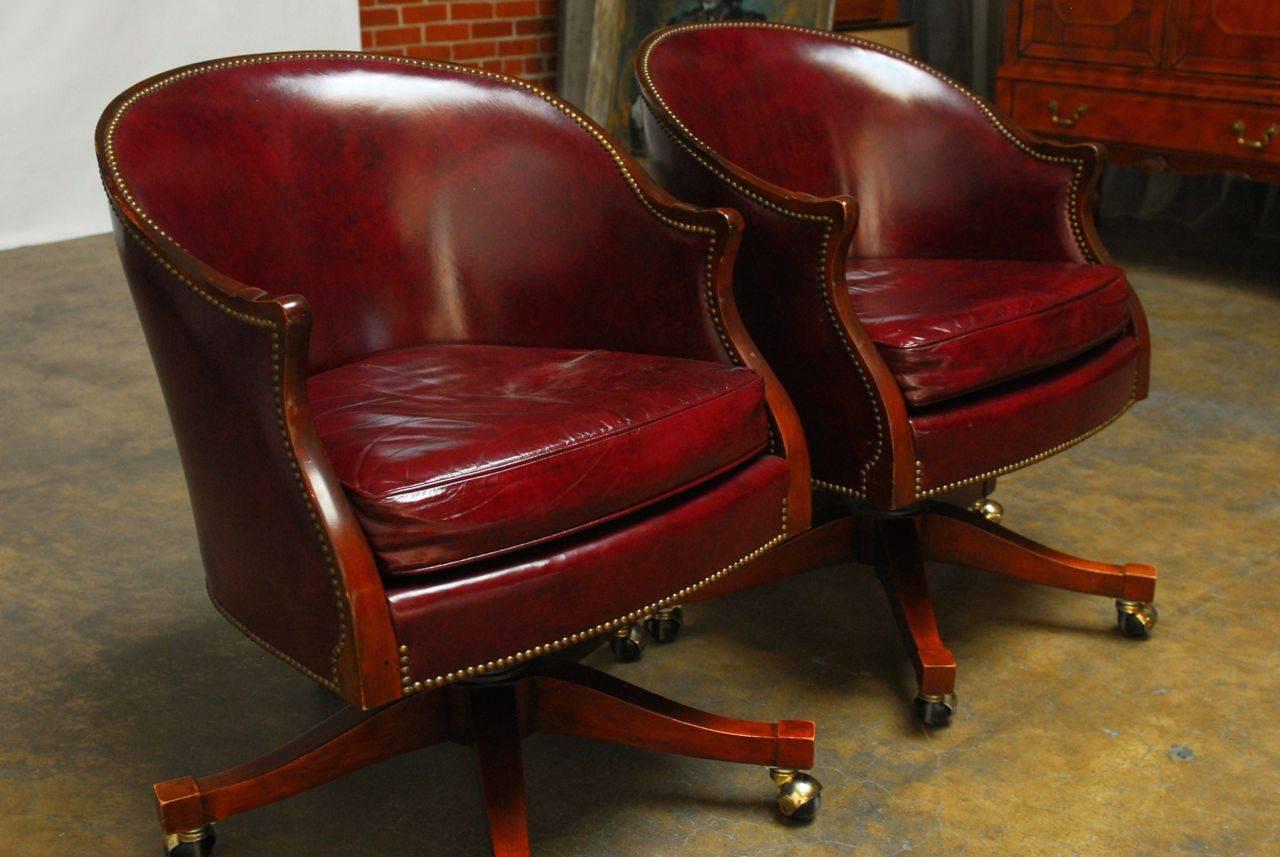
(410, 685)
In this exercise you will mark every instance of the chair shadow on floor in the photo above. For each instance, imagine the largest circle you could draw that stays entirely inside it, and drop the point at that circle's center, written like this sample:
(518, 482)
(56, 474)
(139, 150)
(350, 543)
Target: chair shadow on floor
(840, 636)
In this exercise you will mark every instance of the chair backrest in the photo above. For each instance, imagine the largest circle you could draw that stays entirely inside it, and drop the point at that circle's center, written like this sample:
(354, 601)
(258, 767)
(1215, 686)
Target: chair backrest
(818, 113)
(408, 202)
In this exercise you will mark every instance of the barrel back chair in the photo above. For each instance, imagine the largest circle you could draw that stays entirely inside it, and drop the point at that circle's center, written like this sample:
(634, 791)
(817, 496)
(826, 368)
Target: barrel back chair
(457, 391)
(925, 279)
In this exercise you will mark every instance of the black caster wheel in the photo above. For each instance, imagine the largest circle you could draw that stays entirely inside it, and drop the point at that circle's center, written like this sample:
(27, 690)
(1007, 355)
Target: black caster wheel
(799, 794)
(664, 625)
(191, 843)
(1136, 619)
(935, 711)
(627, 643)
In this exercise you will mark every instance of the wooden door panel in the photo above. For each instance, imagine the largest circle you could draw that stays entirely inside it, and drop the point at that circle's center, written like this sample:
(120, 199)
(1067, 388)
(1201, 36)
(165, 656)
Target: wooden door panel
(1227, 37)
(1120, 32)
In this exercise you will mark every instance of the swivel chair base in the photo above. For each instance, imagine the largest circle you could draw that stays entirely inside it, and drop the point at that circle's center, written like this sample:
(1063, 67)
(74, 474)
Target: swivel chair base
(957, 530)
(942, 532)
(552, 696)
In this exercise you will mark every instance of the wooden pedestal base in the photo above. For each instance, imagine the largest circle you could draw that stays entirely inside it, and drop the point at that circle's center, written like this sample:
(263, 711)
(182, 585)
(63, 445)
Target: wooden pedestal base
(550, 696)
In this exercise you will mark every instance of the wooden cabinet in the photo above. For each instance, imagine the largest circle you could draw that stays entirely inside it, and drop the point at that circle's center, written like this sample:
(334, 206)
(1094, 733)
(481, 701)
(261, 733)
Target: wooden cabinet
(853, 13)
(875, 21)
(1191, 85)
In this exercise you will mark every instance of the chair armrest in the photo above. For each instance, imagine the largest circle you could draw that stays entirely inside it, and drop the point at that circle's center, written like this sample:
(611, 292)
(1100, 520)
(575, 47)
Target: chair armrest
(1089, 160)
(1086, 161)
(790, 288)
(285, 560)
(718, 302)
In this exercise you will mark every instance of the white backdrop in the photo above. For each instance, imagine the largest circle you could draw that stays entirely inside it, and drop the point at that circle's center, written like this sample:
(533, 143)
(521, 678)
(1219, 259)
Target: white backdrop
(60, 63)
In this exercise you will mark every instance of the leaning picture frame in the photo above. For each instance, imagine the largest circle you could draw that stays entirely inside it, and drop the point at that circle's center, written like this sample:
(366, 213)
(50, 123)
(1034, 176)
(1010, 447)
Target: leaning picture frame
(598, 40)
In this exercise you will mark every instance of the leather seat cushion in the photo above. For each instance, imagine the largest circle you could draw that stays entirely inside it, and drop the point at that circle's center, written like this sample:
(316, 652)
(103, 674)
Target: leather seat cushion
(454, 453)
(506, 606)
(947, 327)
(1023, 421)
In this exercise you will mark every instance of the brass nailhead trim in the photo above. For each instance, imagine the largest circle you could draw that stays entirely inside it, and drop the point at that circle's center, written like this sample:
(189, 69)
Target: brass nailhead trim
(1017, 465)
(619, 164)
(331, 685)
(832, 486)
(411, 686)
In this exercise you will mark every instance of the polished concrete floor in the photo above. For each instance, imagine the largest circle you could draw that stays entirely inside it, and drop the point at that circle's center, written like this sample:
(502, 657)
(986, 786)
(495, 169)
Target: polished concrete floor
(116, 672)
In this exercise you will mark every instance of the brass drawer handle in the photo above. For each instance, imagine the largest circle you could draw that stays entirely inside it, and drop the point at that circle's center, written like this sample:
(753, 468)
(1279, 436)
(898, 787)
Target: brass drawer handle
(1066, 123)
(1257, 145)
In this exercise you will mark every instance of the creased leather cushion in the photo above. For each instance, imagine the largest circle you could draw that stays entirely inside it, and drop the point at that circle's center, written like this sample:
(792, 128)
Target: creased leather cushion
(514, 603)
(452, 453)
(948, 327)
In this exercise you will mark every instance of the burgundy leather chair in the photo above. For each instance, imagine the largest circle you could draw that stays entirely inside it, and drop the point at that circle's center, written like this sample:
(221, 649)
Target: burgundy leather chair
(458, 391)
(926, 280)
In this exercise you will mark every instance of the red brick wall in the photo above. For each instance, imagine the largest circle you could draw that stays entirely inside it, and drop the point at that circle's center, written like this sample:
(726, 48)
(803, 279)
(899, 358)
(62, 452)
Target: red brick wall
(517, 37)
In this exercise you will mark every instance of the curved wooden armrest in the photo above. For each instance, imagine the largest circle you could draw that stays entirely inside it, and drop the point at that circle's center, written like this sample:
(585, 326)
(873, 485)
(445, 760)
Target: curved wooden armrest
(792, 281)
(788, 434)
(737, 346)
(299, 538)
(1090, 159)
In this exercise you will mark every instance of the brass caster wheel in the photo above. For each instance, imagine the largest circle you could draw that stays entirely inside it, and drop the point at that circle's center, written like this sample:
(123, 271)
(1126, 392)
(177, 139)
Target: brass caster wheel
(1136, 618)
(935, 710)
(190, 843)
(664, 624)
(989, 509)
(627, 643)
(799, 794)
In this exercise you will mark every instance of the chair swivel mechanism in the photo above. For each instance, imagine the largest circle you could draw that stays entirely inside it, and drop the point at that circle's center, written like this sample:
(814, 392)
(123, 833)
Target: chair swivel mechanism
(925, 279)
(458, 392)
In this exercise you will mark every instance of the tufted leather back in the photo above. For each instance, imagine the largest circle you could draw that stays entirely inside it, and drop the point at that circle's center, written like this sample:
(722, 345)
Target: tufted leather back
(408, 203)
(819, 114)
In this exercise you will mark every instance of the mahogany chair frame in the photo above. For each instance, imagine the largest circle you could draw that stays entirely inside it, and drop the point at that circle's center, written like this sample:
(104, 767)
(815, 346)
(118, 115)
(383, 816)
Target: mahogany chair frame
(895, 526)
(491, 706)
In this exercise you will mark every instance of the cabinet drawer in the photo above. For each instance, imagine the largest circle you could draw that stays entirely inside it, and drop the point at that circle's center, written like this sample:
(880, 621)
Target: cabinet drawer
(1152, 121)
